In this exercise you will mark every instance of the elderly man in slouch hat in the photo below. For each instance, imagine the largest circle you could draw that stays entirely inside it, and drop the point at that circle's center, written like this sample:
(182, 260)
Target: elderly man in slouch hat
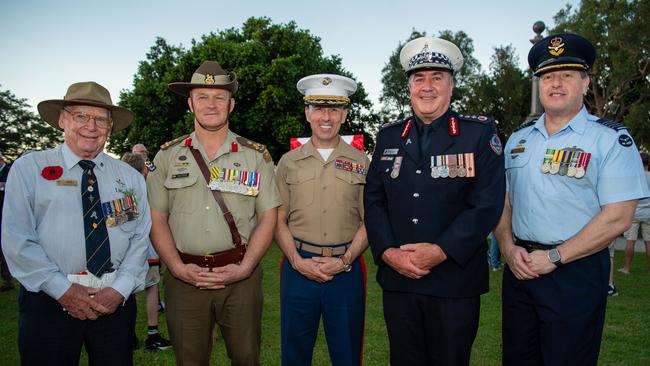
(213, 199)
(75, 234)
(433, 192)
(573, 184)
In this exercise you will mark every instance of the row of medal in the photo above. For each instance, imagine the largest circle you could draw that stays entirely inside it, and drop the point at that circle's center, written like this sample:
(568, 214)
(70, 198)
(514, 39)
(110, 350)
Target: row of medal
(350, 166)
(453, 165)
(444, 166)
(569, 162)
(121, 210)
(234, 181)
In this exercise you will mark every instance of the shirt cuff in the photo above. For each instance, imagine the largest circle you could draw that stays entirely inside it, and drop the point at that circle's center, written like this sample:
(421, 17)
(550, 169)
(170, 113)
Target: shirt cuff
(56, 286)
(124, 286)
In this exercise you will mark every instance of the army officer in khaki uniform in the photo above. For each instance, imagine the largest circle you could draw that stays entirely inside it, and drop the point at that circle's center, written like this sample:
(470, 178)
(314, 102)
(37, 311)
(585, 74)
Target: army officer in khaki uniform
(214, 210)
(320, 230)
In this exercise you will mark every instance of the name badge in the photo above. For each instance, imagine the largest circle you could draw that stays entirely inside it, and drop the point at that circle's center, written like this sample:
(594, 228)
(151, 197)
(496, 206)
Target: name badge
(67, 182)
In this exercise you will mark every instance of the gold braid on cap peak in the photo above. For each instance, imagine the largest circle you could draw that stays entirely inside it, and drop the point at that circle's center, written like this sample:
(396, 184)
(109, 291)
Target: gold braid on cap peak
(560, 66)
(326, 99)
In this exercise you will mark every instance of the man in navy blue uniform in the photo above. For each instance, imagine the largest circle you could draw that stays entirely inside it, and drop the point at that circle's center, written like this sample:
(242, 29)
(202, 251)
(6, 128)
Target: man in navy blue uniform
(434, 190)
(573, 184)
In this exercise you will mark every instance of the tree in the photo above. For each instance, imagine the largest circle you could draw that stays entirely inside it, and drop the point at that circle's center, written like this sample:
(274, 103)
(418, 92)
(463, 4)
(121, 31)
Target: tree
(268, 59)
(504, 93)
(21, 129)
(620, 77)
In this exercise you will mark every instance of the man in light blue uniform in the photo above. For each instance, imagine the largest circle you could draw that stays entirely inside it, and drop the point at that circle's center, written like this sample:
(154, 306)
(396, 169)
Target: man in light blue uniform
(573, 183)
(75, 233)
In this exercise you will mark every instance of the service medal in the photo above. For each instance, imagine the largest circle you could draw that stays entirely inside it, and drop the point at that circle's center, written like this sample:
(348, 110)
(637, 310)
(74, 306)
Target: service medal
(435, 173)
(546, 165)
(462, 172)
(582, 165)
(564, 162)
(571, 172)
(397, 164)
(555, 164)
(453, 166)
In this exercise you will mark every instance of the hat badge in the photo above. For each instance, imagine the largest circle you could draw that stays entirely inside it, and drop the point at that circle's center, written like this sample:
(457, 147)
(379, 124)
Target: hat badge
(556, 46)
(209, 79)
(326, 81)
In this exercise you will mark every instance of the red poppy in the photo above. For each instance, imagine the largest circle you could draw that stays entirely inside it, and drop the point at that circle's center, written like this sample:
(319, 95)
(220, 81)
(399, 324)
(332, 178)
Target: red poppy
(234, 147)
(52, 172)
(188, 141)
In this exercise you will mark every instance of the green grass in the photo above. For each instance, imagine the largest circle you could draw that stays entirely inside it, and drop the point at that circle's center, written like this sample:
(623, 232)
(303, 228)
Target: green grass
(626, 339)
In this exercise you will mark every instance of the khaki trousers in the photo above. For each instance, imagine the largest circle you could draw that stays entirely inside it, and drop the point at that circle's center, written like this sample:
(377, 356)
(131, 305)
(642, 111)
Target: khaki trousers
(192, 314)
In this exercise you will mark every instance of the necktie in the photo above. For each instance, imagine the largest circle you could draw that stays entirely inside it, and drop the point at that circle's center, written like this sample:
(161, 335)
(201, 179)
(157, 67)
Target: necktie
(98, 247)
(426, 139)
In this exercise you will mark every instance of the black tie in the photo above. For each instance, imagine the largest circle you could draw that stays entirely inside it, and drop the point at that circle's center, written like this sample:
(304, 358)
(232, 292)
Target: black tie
(425, 140)
(98, 247)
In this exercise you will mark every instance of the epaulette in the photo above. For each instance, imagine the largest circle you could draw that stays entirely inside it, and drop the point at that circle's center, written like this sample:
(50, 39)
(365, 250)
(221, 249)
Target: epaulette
(396, 123)
(527, 124)
(474, 118)
(173, 142)
(255, 146)
(616, 126)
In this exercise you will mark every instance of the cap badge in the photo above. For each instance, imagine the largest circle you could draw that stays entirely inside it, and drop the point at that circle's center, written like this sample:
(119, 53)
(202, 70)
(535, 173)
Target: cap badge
(209, 79)
(326, 81)
(556, 46)
(425, 48)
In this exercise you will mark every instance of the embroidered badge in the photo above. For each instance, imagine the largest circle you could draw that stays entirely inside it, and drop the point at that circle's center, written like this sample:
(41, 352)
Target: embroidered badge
(495, 145)
(625, 140)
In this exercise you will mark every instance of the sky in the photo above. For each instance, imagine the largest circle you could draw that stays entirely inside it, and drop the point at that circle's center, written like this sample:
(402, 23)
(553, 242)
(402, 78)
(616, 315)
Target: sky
(47, 45)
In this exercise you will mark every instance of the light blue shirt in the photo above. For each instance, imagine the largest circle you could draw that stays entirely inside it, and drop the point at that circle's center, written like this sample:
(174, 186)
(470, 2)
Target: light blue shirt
(550, 208)
(643, 208)
(43, 237)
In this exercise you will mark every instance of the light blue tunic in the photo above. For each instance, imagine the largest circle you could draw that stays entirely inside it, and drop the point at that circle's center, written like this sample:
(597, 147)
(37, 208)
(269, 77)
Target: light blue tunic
(551, 208)
(42, 225)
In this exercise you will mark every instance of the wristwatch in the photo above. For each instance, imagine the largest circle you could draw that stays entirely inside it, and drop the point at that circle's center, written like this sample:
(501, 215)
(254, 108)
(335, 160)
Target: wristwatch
(555, 257)
(346, 266)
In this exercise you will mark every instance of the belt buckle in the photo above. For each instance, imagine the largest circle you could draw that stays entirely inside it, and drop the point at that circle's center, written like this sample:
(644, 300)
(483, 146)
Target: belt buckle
(207, 258)
(327, 252)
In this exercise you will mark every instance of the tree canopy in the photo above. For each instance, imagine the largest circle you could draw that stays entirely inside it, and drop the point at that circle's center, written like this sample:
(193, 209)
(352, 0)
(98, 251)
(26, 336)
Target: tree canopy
(22, 129)
(268, 59)
(620, 77)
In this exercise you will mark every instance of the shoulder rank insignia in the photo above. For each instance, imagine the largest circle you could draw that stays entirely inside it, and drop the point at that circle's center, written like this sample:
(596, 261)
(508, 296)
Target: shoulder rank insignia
(255, 146)
(173, 142)
(527, 124)
(395, 123)
(617, 126)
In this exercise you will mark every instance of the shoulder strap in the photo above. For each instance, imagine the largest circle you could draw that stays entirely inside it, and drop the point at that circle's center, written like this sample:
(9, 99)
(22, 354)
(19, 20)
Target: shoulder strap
(236, 237)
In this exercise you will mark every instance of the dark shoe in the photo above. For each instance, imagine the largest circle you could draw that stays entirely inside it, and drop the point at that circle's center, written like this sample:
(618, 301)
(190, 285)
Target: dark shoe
(155, 343)
(611, 291)
(7, 287)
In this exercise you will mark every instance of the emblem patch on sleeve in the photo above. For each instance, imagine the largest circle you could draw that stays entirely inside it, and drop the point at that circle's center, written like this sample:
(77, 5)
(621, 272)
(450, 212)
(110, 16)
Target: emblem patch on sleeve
(495, 145)
(625, 140)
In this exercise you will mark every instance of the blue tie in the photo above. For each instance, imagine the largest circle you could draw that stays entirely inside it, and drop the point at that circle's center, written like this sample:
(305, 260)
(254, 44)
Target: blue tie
(98, 247)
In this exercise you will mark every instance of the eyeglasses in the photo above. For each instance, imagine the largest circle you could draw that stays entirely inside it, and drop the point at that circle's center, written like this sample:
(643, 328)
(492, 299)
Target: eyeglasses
(83, 118)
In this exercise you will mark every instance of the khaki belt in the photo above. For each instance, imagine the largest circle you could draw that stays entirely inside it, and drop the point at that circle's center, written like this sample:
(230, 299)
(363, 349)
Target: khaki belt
(218, 259)
(531, 246)
(331, 250)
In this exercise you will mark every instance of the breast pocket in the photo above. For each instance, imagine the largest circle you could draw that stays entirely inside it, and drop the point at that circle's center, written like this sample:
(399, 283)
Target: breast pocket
(183, 191)
(301, 187)
(349, 186)
(517, 161)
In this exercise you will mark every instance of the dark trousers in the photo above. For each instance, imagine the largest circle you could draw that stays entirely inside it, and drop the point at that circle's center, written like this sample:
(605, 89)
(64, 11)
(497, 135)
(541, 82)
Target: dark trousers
(427, 330)
(341, 301)
(556, 319)
(47, 335)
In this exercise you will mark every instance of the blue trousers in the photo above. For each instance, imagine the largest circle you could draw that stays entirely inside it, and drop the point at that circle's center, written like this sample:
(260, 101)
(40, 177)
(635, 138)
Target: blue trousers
(341, 301)
(556, 319)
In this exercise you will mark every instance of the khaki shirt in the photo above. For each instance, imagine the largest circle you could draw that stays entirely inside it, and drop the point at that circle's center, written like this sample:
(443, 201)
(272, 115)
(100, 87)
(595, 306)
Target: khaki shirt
(177, 187)
(323, 202)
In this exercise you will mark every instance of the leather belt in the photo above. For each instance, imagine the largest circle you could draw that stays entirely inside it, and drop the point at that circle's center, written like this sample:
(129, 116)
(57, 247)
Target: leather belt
(532, 246)
(218, 259)
(332, 250)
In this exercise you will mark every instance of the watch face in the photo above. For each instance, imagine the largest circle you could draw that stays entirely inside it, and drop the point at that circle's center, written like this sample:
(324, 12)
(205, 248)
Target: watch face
(554, 255)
